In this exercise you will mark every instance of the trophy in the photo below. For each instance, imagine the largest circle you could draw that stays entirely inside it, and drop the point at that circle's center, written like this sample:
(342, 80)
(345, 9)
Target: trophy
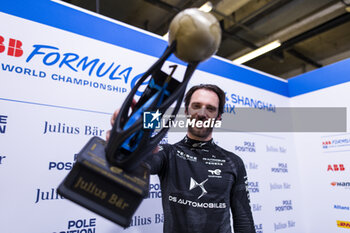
(111, 178)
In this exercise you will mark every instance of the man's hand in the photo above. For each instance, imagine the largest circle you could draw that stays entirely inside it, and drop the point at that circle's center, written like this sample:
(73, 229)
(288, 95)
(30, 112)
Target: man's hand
(114, 116)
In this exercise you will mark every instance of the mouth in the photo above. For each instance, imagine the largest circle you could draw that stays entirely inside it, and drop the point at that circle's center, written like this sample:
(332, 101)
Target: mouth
(203, 123)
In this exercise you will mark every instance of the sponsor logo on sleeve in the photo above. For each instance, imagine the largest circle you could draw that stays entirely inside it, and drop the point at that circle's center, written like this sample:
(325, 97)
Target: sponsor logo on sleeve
(186, 156)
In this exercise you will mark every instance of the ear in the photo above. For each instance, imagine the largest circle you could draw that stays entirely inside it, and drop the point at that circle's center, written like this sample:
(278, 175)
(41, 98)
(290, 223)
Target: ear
(219, 118)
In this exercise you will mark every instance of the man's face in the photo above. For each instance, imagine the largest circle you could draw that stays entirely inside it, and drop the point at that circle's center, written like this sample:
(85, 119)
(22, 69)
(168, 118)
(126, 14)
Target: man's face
(204, 105)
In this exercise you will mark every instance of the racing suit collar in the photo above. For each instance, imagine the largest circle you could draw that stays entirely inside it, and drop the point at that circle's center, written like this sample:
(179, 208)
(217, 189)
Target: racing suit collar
(197, 144)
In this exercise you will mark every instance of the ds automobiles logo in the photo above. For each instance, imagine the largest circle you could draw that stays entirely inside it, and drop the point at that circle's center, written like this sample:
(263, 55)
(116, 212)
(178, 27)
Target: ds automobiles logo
(194, 184)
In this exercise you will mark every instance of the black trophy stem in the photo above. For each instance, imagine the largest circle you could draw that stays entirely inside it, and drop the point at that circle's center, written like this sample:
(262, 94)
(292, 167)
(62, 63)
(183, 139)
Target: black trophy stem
(129, 160)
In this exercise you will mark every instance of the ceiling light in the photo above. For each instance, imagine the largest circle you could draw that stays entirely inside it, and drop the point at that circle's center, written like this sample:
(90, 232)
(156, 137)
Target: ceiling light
(206, 7)
(257, 52)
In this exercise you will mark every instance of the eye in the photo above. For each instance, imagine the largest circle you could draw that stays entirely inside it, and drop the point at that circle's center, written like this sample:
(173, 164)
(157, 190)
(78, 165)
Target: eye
(196, 106)
(211, 108)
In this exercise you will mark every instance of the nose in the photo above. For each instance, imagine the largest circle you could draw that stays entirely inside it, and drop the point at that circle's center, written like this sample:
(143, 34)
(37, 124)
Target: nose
(202, 113)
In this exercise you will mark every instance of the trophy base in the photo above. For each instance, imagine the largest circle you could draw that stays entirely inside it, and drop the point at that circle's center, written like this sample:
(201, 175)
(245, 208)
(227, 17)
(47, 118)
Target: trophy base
(104, 189)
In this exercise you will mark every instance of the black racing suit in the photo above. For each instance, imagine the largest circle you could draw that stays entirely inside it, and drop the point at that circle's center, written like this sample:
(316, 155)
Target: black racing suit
(200, 183)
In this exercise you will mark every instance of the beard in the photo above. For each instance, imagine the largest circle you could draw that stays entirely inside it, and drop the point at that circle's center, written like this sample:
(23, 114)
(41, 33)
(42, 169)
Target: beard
(202, 132)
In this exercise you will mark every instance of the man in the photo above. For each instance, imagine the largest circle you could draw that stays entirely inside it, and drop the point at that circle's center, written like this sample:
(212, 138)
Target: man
(200, 181)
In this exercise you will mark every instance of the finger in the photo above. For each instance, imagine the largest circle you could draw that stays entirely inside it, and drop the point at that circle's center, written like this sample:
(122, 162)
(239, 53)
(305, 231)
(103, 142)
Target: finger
(133, 104)
(155, 150)
(108, 133)
(114, 116)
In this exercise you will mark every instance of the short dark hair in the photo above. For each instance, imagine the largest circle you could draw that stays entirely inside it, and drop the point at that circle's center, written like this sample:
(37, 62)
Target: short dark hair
(211, 87)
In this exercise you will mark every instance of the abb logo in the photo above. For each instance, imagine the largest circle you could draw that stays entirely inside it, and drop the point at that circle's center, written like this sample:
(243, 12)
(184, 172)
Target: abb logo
(14, 47)
(336, 167)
